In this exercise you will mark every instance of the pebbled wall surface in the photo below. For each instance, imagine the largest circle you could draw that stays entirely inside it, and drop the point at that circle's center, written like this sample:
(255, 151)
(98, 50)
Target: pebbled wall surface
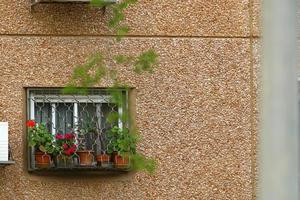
(197, 113)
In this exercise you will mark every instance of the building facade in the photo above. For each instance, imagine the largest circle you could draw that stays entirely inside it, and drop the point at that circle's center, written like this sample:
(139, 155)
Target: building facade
(197, 112)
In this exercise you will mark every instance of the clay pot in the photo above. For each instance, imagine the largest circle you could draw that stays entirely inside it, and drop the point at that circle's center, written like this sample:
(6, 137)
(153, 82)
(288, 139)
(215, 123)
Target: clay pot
(85, 157)
(42, 160)
(121, 161)
(64, 161)
(103, 160)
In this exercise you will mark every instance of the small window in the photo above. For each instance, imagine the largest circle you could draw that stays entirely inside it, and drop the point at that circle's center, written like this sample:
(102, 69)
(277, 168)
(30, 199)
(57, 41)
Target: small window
(86, 118)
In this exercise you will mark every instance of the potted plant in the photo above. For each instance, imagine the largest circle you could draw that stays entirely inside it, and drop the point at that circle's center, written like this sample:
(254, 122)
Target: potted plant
(86, 138)
(122, 146)
(103, 160)
(86, 157)
(65, 149)
(42, 141)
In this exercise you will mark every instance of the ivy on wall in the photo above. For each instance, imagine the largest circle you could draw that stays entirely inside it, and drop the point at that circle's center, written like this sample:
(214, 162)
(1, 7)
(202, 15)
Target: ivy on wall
(94, 70)
(117, 15)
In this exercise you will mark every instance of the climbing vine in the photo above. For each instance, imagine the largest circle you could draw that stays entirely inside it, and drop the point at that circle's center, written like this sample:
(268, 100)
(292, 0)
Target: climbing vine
(117, 15)
(94, 70)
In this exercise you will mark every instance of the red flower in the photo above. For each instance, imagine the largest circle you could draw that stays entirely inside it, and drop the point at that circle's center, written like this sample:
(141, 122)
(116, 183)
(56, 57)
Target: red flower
(59, 136)
(67, 152)
(69, 136)
(65, 146)
(30, 123)
(72, 150)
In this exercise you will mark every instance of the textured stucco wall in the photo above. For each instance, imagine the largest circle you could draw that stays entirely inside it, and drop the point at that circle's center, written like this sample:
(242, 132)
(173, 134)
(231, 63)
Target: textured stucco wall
(197, 112)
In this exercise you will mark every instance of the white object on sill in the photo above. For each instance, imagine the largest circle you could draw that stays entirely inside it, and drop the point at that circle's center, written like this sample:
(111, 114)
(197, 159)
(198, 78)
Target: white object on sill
(3, 141)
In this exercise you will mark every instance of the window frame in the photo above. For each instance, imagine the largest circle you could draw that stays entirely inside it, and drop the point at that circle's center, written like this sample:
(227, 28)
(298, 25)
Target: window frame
(32, 98)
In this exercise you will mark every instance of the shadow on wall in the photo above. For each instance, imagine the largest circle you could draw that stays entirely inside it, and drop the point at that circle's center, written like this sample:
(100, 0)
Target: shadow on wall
(61, 16)
(71, 177)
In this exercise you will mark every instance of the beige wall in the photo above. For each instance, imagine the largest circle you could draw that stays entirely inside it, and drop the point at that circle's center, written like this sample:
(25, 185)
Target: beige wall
(196, 113)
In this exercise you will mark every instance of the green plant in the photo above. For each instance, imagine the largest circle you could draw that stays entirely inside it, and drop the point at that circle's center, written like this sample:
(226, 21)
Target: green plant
(140, 162)
(94, 70)
(117, 15)
(65, 144)
(40, 137)
(121, 141)
(124, 142)
(87, 133)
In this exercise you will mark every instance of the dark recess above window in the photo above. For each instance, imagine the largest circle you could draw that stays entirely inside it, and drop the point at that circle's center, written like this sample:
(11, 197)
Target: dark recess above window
(35, 2)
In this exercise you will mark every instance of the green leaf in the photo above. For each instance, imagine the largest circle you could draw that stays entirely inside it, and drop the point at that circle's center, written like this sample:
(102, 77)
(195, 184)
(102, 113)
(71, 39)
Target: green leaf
(146, 62)
(140, 163)
(112, 117)
(99, 3)
(123, 5)
(121, 32)
(131, 1)
(120, 59)
(42, 148)
(32, 143)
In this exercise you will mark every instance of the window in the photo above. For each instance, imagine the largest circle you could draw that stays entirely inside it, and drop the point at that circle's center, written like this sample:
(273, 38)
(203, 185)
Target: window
(87, 117)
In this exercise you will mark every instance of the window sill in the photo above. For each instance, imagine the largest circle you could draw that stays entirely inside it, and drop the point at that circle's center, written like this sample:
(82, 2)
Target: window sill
(6, 163)
(79, 170)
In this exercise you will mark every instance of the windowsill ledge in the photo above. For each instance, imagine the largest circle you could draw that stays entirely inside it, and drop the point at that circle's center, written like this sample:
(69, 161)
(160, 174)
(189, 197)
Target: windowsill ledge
(79, 170)
(5, 163)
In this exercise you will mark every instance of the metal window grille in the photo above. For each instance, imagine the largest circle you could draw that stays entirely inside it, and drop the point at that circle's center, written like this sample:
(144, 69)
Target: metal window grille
(62, 113)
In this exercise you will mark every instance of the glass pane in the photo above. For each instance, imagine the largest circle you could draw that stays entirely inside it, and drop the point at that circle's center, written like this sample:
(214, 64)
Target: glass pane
(86, 114)
(88, 126)
(109, 116)
(94, 124)
(43, 114)
(64, 118)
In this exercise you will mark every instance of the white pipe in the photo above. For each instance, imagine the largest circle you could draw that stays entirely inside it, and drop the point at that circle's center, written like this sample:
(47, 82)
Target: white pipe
(75, 117)
(53, 114)
(279, 130)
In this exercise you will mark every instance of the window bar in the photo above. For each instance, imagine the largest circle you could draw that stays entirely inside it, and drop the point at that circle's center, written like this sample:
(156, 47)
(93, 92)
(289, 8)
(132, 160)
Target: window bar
(75, 117)
(127, 108)
(99, 126)
(120, 111)
(75, 121)
(53, 116)
(32, 160)
(31, 107)
(98, 115)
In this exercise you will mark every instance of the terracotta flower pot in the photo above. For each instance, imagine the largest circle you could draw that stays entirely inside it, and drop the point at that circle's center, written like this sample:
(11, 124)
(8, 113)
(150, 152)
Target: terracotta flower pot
(121, 161)
(64, 161)
(85, 157)
(103, 160)
(42, 160)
